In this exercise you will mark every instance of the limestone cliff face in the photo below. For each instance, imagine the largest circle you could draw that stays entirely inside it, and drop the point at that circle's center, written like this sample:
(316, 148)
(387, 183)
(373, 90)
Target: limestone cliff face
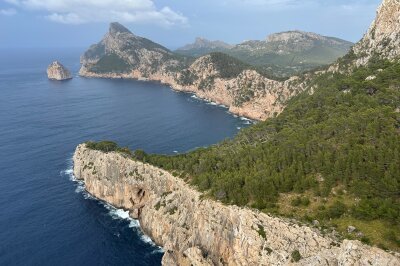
(57, 71)
(198, 231)
(121, 54)
(383, 37)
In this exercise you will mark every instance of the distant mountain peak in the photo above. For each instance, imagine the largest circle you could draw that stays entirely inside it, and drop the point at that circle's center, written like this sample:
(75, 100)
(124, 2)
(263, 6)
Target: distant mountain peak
(296, 36)
(203, 43)
(116, 27)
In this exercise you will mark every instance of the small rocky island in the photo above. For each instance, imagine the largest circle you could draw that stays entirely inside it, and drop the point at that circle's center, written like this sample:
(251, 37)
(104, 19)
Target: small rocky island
(56, 71)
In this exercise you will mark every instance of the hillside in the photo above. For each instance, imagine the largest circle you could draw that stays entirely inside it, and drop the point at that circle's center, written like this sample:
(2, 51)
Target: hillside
(120, 51)
(281, 54)
(331, 157)
(247, 90)
(202, 46)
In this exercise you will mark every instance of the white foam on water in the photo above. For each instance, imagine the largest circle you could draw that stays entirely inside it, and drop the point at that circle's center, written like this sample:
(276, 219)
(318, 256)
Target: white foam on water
(120, 214)
(238, 127)
(134, 224)
(115, 213)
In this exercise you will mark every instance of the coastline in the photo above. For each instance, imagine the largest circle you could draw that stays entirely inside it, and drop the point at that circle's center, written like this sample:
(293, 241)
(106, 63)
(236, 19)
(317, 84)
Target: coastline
(199, 231)
(262, 108)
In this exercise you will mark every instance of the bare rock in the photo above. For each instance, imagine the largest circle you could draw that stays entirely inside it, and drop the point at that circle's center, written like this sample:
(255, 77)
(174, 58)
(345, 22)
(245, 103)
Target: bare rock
(198, 231)
(351, 229)
(56, 71)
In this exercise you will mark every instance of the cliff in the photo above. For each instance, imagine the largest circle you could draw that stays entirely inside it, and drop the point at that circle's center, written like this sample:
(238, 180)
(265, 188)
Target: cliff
(216, 77)
(197, 231)
(382, 39)
(57, 71)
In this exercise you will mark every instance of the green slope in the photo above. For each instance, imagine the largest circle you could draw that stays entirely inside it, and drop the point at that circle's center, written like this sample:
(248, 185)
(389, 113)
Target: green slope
(337, 150)
(333, 156)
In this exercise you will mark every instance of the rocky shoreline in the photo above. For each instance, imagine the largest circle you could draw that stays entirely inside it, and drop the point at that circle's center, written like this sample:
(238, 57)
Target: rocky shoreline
(194, 230)
(262, 107)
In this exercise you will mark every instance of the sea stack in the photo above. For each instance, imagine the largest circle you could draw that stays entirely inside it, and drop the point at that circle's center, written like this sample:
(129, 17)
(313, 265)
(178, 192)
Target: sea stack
(56, 71)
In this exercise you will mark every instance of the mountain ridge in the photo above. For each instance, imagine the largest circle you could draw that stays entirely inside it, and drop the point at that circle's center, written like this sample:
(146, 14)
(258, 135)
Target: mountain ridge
(283, 53)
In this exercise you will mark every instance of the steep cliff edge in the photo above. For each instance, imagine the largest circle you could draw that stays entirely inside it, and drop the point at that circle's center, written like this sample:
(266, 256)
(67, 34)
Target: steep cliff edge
(383, 37)
(198, 231)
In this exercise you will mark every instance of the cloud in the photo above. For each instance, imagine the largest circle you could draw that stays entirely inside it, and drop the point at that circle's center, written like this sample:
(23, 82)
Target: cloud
(78, 11)
(8, 12)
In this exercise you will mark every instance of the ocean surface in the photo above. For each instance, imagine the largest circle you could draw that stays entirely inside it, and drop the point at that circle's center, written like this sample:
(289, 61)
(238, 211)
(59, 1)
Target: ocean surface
(46, 217)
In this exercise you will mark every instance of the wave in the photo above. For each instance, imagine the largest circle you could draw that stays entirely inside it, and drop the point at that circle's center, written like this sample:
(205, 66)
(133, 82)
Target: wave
(114, 212)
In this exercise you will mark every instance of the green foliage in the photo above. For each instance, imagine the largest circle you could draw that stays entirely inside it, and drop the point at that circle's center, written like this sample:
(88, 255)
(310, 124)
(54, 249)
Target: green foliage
(347, 132)
(261, 231)
(335, 211)
(110, 63)
(300, 201)
(105, 146)
(296, 256)
(108, 146)
(228, 66)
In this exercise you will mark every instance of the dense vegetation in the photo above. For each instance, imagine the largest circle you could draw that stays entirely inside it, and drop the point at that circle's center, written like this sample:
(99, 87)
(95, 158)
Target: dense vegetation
(111, 63)
(265, 56)
(230, 67)
(333, 155)
(342, 142)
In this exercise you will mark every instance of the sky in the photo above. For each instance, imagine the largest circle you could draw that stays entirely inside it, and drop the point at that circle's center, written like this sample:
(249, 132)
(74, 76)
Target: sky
(174, 23)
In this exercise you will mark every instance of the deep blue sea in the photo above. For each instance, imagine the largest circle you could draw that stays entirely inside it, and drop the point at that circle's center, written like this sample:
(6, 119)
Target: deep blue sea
(45, 217)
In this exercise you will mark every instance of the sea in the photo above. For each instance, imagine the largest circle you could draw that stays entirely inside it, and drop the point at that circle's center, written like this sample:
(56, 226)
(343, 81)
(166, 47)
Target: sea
(46, 217)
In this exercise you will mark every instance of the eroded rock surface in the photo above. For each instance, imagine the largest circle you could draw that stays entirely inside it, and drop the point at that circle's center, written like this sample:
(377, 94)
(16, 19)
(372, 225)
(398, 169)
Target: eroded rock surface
(56, 71)
(198, 231)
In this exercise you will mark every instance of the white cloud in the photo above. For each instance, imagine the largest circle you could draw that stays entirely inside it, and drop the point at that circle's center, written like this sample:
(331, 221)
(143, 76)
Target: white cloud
(79, 11)
(8, 12)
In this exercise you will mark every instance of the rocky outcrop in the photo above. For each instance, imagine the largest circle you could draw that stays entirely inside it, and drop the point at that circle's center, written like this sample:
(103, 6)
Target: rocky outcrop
(383, 37)
(194, 230)
(246, 92)
(205, 45)
(56, 71)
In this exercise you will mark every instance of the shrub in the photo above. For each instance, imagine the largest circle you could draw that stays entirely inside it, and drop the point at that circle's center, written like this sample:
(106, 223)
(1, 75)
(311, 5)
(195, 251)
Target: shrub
(105, 146)
(296, 256)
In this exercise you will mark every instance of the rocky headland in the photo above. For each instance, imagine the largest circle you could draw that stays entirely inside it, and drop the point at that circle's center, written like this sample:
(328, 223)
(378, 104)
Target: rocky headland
(215, 77)
(56, 71)
(194, 230)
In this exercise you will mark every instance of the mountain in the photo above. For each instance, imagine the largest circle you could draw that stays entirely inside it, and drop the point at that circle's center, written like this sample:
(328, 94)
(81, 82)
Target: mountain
(120, 51)
(327, 160)
(217, 77)
(282, 54)
(291, 52)
(383, 37)
(330, 158)
(203, 46)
